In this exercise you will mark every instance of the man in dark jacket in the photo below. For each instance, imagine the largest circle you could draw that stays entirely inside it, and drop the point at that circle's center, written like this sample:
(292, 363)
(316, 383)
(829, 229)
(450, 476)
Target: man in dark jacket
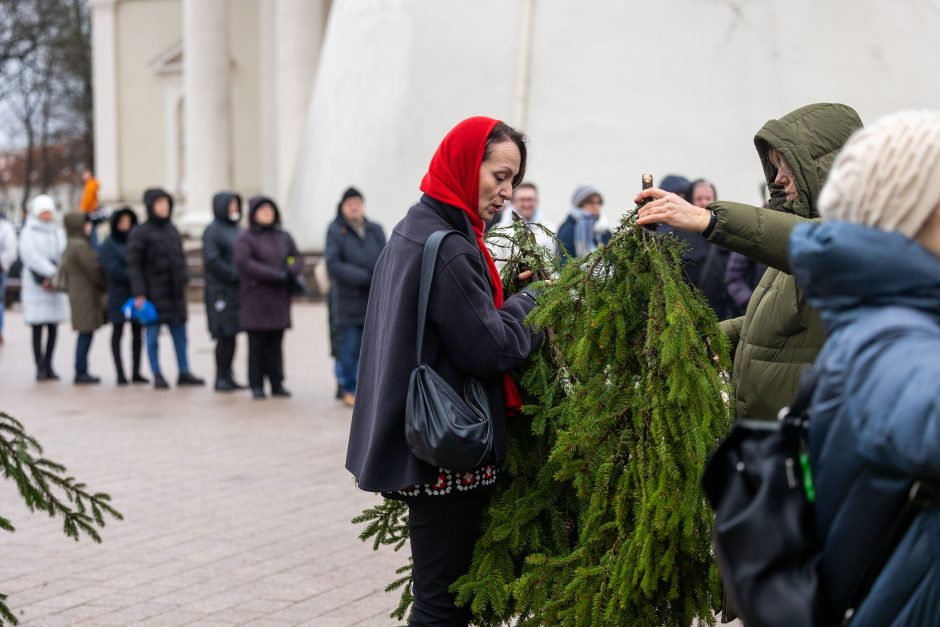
(157, 268)
(353, 246)
(113, 255)
(222, 285)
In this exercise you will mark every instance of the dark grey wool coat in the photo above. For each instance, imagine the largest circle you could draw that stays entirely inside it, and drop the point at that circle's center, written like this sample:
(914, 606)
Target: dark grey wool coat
(156, 262)
(466, 336)
(218, 254)
(350, 260)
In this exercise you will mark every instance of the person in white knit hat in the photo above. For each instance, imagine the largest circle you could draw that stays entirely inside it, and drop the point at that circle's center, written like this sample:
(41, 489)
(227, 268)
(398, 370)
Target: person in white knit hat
(872, 269)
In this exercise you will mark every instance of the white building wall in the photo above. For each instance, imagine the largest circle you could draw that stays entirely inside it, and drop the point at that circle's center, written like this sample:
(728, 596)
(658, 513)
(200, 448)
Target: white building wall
(617, 88)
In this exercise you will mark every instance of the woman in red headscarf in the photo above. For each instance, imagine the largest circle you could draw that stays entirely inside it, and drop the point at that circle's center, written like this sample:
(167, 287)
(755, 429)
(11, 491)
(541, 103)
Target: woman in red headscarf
(472, 331)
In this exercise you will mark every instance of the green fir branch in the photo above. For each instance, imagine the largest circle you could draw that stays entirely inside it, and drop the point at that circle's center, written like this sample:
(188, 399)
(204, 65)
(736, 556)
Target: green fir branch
(44, 487)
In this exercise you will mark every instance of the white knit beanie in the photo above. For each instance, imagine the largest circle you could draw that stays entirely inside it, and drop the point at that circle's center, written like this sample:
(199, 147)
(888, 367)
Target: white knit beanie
(888, 174)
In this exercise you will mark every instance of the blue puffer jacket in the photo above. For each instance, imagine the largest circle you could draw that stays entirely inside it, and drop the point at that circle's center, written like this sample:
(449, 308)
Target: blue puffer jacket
(875, 415)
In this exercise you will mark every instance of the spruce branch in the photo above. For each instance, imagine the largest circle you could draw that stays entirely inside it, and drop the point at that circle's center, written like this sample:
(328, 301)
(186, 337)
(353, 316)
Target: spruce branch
(45, 487)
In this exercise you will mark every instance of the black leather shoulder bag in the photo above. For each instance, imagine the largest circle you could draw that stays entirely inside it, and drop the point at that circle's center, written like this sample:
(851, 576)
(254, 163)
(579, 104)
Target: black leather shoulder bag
(441, 427)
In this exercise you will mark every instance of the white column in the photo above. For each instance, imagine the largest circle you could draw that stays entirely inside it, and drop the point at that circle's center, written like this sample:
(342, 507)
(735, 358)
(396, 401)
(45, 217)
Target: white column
(298, 27)
(267, 79)
(207, 111)
(104, 76)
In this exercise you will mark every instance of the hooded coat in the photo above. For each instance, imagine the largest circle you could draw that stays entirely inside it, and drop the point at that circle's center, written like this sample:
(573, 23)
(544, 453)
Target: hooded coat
(84, 276)
(222, 282)
(113, 256)
(266, 258)
(780, 334)
(156, 262)
(350, 260)
(41, 247)
(875, 415)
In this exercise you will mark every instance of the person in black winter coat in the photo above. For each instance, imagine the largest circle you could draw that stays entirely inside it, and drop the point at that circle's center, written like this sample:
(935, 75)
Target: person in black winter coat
(268, 262)
(222, 284)
(742, 274)
(113, 255)
(156, 265)
(471, 331)
(353, 246)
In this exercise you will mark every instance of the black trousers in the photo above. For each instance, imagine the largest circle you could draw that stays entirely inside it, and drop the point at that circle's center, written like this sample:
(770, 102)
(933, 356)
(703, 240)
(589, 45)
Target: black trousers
(443, 531)
(42, 356)
(265, 358)
(224, 356)
(137, 335)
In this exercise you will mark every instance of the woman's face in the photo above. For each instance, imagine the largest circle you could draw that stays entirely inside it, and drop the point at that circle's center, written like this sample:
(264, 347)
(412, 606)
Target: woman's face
(496, 174)
(703, 195)
(353, 209)
(124, 223)
(593, 204)
(46, 216)
(234, 210)
(784, 178)
(264, 215)
(161, 207)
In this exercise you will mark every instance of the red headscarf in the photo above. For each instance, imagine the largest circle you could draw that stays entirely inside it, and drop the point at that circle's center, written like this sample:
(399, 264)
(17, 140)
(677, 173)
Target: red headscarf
(454, 178)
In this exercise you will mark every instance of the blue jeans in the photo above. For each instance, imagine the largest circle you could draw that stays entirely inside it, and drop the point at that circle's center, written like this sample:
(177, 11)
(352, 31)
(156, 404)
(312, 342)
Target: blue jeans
(81, 353)
(180, 343)
(347, 365)
(3, 297)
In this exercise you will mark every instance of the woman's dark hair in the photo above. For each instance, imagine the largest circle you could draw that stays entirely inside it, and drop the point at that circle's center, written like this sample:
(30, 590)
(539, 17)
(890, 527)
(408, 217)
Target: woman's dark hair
(503, 132)
(698, 182)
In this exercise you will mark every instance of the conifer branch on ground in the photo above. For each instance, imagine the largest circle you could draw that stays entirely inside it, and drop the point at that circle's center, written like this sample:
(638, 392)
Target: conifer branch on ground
(45, 487)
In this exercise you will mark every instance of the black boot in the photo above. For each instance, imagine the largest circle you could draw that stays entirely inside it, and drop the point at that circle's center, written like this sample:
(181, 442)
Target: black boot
(224, 384)
(258, 394)
(86, 379)
(41, 373)
(159, 383)
(280, 390)
(188, 378)
(139, 378)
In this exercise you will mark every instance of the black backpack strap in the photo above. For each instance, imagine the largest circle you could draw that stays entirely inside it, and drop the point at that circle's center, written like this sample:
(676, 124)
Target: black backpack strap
(428, 264)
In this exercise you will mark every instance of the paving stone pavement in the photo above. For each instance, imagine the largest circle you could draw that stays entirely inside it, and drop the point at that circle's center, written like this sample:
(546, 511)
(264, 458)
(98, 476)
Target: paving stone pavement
(236, 511)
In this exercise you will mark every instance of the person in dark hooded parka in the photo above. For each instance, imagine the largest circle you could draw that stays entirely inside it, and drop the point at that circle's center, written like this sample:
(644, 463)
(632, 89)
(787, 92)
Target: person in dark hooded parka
(113, 255)
(268, 262)
(222, 284)
(156, 264)
(353, 246)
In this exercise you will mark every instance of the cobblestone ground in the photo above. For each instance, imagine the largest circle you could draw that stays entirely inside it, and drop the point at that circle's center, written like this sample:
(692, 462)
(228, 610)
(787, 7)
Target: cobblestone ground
(236, 511)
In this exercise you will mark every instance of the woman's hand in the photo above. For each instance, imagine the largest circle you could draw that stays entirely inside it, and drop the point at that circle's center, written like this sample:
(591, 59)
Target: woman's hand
(670, 209)
(525, 276)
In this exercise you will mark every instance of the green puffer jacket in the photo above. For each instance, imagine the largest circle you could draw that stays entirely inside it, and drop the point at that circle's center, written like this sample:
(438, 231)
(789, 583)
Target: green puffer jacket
(780, 333)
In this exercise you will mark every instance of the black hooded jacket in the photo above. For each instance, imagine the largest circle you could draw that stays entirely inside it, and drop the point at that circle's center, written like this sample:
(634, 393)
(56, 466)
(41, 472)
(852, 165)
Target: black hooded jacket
(113, 255)
(218, 254)
(156, 262)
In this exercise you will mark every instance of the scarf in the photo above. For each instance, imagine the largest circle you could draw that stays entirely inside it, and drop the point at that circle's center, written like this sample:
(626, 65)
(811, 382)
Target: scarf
(585, 242)
(454, 178)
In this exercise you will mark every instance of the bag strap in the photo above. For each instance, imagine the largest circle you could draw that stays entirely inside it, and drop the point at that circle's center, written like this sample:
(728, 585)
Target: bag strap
(428, 264)
(922, 494)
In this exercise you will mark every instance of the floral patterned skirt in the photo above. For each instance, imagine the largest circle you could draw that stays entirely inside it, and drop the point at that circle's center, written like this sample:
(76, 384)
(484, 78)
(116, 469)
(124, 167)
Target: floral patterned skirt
(450, 482)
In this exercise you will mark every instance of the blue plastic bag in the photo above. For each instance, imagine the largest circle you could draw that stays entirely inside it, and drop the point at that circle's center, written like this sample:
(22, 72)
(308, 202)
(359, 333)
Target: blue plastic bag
(146, 315)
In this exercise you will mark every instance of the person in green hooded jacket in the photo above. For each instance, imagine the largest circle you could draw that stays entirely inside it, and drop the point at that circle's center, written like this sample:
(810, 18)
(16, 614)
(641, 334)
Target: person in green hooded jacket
(780, 333)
